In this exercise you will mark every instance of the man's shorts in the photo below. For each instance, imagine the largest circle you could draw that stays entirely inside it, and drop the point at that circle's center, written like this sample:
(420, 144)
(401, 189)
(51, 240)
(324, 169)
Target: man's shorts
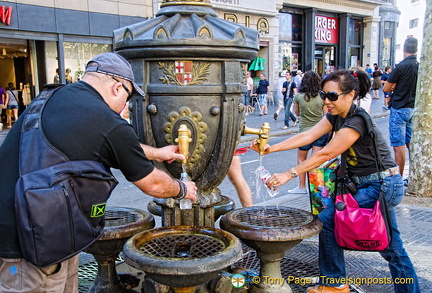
(281, 103)
(262, 99)
(400, 126)
(320, 142)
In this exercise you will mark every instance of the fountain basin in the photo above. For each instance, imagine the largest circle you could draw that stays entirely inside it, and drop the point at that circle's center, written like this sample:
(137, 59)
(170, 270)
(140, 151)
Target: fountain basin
(182, 256)
(120, 224)
(270, 229)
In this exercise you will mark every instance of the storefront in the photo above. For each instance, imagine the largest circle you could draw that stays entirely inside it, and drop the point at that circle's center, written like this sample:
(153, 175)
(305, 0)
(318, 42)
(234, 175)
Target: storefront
(318, 40)
(40, 45)
(309, 34)
(262, 16)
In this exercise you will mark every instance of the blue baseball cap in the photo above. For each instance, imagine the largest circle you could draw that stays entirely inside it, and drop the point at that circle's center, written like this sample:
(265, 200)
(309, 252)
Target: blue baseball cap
(113, 64)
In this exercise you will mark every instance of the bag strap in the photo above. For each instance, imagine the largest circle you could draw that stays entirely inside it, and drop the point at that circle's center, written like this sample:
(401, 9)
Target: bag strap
(33, 140)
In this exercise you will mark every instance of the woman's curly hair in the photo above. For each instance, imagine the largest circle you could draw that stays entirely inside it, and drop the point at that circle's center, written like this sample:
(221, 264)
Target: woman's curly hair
(310, 85)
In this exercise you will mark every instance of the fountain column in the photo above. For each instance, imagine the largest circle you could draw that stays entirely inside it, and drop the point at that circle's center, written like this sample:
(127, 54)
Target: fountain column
(192, 66)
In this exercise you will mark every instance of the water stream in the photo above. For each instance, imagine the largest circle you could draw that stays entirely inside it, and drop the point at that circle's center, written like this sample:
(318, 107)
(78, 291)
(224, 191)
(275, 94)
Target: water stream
(261, 177)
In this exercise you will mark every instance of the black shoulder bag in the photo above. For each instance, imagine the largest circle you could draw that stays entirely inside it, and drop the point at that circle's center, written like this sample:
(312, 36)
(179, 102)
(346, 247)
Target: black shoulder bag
(59, 204)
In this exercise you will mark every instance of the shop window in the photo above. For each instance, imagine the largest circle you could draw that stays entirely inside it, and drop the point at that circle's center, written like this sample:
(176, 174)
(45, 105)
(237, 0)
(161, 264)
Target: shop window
(413, 23)
(355, 32)
(290, 27)
(354, 57)
(76, 57)
(291, 57)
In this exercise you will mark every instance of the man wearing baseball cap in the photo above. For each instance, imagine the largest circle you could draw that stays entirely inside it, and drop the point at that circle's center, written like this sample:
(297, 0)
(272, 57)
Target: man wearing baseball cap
(82, 121)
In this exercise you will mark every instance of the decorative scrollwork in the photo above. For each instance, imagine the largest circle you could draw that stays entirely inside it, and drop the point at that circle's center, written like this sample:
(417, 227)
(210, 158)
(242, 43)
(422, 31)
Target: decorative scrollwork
(197, 126)
(244, 70)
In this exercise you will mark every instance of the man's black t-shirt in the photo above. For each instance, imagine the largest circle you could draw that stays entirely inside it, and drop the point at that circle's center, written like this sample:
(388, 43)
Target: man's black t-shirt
(361, 155)
(292, 86)
(79, 123)
(405, 76)
(262, 86)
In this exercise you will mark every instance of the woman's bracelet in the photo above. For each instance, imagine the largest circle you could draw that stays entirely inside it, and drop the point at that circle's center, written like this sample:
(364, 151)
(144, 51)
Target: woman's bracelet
(183, 190)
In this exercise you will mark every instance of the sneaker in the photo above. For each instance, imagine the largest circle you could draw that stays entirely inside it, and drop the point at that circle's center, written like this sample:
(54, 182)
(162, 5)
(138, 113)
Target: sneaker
(275, 116)
(327, 289)
(298, 190)
(296, 122)
(405, 181)
(385, 107)
(285, 127)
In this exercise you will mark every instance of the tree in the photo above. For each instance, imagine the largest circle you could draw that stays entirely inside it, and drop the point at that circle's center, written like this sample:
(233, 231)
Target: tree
(421, 142)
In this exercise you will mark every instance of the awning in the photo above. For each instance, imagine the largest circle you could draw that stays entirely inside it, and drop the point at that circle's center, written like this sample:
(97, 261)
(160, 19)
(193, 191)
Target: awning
(257, 64)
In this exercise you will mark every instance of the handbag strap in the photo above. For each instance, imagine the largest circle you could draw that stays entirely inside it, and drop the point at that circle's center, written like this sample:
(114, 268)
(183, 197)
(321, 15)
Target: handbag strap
(343, 174)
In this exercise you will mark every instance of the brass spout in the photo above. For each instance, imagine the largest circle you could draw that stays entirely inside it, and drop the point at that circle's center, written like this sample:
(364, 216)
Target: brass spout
(183, 140)
(263, 135)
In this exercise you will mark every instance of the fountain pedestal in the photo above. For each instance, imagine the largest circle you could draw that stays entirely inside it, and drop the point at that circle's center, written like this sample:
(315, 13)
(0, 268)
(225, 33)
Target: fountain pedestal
(182, 257)
(120, 224)
(271, 231)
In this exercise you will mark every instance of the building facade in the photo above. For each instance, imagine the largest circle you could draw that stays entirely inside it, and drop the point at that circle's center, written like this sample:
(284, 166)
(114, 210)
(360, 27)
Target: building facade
(411, 23)
(389, 15)
(46, 41)
(37, 37)
(309, 34)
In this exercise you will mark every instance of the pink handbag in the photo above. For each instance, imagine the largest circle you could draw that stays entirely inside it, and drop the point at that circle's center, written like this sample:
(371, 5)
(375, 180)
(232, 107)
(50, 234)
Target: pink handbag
(360, 228)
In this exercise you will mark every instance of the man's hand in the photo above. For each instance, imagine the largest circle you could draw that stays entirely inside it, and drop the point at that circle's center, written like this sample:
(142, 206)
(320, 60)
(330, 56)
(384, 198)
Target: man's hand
(191, 190)
(388, 87)
(168, 153)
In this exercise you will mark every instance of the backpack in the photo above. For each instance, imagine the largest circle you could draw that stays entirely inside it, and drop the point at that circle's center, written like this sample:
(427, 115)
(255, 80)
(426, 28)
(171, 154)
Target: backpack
(59, 204)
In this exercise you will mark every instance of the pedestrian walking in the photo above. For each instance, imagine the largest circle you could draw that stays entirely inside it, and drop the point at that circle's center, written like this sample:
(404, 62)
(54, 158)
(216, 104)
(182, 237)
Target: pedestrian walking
(310, 108)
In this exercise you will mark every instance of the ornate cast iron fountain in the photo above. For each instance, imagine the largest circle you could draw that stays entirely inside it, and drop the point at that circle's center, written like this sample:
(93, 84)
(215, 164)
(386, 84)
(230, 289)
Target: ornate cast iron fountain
(192, 66)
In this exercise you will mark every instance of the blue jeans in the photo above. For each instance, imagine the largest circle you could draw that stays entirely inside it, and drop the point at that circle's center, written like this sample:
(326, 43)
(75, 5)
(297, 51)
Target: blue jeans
(288, 114)
(400, 126)
(320, 142)
(331, 255)
(247, 98)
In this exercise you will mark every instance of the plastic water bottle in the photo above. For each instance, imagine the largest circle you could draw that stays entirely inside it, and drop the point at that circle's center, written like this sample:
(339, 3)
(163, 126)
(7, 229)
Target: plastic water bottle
(264, 175)
(185, 203)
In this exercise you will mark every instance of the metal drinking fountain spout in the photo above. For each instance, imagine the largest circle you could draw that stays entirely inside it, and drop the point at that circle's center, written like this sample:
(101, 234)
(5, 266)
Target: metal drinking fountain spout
(183, 140)
(263, 135)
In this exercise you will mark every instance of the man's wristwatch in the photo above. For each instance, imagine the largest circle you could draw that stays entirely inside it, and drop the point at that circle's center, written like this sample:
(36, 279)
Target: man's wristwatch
(293, 173)
(183, 190)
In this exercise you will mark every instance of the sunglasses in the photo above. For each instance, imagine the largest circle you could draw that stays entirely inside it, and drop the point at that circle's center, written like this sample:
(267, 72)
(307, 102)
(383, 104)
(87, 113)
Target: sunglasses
(125, 88)
(332, 96)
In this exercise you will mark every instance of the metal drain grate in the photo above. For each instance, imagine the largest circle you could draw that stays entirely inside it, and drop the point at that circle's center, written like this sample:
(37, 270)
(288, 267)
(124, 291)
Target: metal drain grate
(114, 218)
(274, 217)
(289, 267)
(183, 246)
(88, 269)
